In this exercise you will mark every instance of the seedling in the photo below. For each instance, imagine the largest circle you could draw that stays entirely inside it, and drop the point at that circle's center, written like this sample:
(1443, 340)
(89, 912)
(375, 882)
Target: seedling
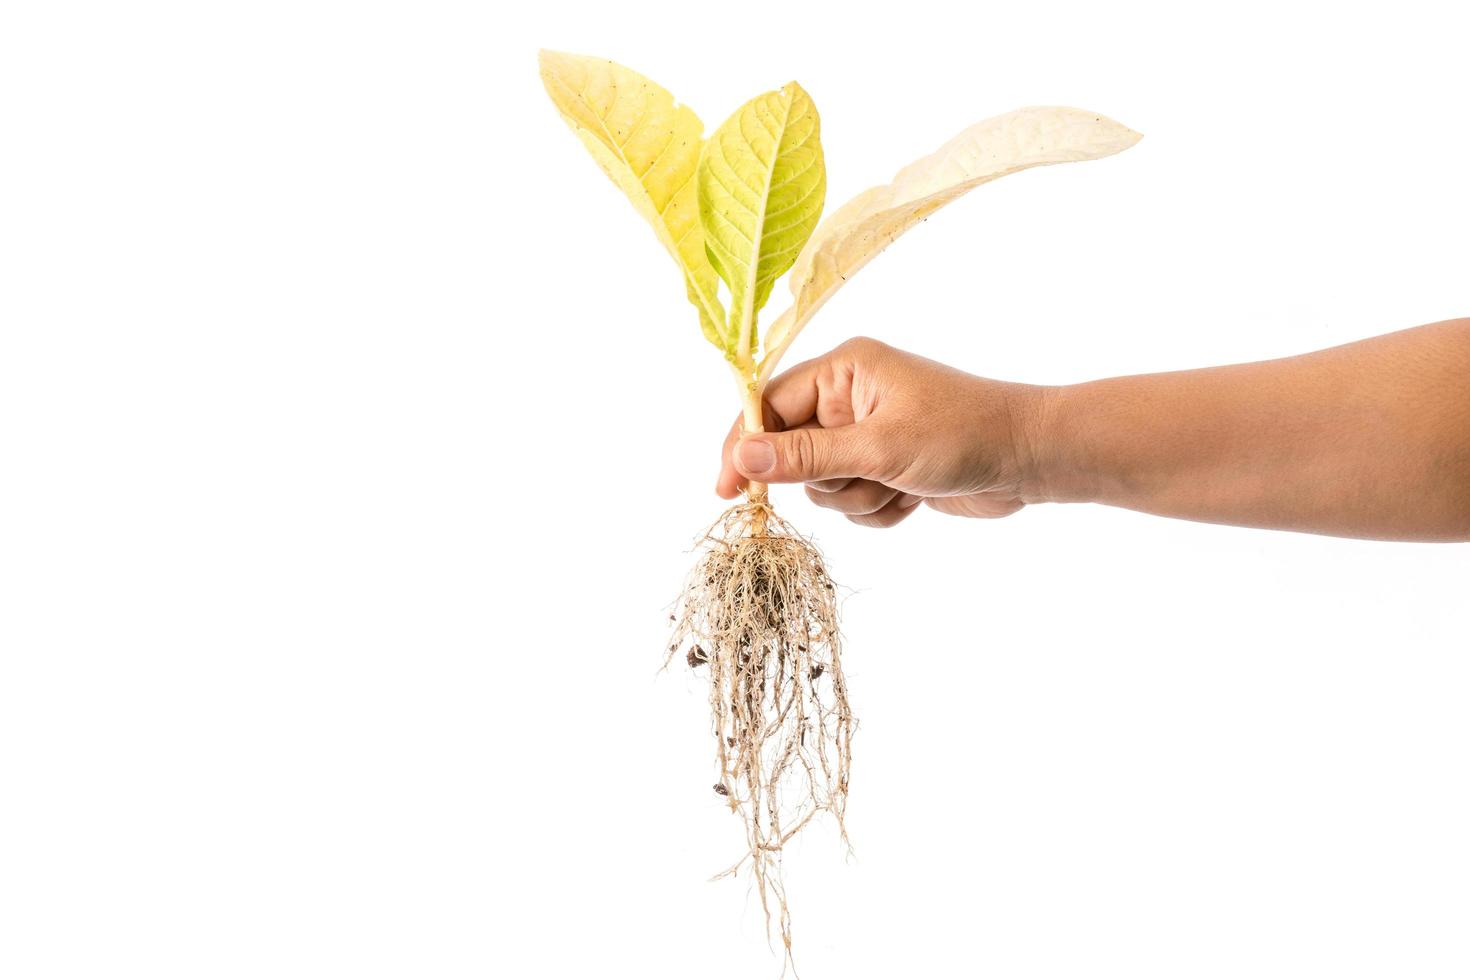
(742, 208)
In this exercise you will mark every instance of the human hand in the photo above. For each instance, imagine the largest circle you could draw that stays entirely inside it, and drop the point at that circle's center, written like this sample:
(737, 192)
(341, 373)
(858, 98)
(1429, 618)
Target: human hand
(874, 432)
(1370, 439)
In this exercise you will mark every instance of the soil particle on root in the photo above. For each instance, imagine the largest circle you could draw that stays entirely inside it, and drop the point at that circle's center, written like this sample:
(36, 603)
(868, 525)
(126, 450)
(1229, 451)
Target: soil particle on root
(759, 611)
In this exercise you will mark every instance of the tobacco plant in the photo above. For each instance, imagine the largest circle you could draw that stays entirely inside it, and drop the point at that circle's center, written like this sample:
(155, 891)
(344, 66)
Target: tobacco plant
(741, 208)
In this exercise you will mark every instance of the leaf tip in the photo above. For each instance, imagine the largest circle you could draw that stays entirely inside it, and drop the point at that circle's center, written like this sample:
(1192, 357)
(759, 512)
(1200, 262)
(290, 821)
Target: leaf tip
(552, 63)
(793, 90)
(1122, 136)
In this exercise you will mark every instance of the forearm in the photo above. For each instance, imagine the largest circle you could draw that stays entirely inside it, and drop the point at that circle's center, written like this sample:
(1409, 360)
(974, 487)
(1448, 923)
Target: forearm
(1371, 440)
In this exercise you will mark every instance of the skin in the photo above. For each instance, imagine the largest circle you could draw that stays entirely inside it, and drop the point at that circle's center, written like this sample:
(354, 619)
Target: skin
(1367, 440)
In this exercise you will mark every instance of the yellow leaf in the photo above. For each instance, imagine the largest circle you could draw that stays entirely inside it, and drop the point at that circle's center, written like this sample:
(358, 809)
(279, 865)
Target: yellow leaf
(650, 146)
(864, 226)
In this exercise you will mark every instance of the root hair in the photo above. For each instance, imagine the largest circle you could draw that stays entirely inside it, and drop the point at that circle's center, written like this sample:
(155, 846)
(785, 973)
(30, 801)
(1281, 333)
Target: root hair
(760, 613)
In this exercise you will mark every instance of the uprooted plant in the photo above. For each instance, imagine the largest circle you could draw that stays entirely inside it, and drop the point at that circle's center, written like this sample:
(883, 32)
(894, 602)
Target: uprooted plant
(759, 611)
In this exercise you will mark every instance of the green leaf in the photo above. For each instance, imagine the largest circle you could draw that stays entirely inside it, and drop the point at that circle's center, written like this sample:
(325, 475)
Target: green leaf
(761, 184)
(650, 147)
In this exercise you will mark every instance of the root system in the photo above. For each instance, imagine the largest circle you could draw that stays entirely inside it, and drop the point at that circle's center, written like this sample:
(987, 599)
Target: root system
(759, 613)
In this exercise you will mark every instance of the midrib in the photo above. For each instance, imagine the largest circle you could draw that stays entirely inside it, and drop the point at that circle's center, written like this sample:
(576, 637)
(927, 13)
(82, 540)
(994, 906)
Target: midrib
(747, 311)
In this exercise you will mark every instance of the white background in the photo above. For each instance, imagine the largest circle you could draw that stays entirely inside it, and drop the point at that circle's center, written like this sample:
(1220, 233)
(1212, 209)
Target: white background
(354, 434)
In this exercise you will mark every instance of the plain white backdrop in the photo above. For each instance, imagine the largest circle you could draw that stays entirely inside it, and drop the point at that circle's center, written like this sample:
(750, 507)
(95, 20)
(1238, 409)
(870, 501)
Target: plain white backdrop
(354, 433)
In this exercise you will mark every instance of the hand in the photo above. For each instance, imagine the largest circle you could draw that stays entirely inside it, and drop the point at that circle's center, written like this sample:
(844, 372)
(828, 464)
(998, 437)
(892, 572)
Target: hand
(874, 432)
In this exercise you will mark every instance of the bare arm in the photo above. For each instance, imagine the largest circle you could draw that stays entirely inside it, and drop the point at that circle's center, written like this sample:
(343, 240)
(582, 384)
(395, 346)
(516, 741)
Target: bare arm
(1371, 439)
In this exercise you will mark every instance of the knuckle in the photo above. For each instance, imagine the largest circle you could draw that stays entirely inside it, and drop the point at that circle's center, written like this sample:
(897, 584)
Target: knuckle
(863, 498)
(801, 453)
(869, 498)
(880, 450)
(862, 345)
(885, 517)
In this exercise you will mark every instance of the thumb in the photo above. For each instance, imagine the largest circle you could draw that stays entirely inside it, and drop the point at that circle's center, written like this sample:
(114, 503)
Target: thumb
(804, 455)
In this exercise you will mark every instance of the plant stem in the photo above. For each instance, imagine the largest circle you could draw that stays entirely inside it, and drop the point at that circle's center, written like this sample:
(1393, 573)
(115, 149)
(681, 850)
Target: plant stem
(754, 422)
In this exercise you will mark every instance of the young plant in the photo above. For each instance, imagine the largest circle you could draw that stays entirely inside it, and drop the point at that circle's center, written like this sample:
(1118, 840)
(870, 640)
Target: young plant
(742, 208)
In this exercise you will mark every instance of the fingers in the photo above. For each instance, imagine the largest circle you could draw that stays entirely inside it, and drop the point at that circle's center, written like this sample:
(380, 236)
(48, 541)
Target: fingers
(808, 454)
(818, 392)
(857, 498)
(892, 513)
(867, 503)
(730, 482)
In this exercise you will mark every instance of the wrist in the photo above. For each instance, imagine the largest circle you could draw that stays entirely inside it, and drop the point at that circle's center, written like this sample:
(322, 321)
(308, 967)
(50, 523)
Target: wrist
(1056, 469)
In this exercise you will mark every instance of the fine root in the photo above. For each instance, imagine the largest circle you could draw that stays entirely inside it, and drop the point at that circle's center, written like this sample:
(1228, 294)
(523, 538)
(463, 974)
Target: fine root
(760, 613)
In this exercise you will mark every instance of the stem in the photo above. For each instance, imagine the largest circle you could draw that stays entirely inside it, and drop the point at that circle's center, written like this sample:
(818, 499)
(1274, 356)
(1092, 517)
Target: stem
(754, 422)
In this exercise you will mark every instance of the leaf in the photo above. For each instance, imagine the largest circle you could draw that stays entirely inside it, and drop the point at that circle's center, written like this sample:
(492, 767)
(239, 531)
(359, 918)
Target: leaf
(762, 183)
(650, 147)
(864, 226)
